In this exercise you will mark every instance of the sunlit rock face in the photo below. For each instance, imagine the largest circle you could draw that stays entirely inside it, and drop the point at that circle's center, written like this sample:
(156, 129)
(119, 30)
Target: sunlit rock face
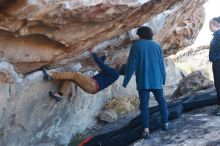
(30, 117)
(182, 27)
(55, 33)
(35, 33)
(7, 73)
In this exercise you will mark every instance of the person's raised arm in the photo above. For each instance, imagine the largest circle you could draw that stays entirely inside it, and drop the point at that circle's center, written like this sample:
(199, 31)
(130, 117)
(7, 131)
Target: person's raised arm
(99, 62)
(96, 58)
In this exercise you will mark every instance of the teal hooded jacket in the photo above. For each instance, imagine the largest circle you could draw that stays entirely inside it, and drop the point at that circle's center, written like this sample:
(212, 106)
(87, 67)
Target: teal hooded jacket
(146, 60)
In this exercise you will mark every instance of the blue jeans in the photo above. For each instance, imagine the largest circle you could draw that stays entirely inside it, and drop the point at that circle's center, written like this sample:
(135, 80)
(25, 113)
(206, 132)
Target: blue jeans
(144, 102)
(107, 76)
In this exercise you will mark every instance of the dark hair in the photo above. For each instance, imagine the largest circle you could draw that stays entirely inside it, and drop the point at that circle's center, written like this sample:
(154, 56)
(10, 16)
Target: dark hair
(217, 19)
(145, 32)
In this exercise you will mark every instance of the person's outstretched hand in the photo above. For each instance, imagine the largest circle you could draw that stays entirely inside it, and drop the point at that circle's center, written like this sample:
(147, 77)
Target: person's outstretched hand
(91, 50)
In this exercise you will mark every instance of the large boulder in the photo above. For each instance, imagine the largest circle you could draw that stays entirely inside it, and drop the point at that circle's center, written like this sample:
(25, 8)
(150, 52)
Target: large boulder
(123, 105)
(194, 58)
(193, 82)
(38, 33)
(30, 117)
(108, 116)
(173, 76)
(173, 73)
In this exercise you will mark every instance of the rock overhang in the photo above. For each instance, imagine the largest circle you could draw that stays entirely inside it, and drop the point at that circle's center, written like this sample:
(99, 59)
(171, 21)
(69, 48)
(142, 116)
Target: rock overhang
(56, 33)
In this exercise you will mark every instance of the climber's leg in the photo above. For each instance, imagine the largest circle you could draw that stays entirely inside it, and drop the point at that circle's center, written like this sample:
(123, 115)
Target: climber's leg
(88, 84)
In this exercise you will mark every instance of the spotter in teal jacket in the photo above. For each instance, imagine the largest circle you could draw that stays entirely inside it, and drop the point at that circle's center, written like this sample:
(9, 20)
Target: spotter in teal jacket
(146, 60)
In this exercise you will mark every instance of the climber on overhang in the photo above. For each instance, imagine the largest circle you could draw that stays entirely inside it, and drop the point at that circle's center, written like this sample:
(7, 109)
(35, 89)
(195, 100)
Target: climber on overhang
(92, 85)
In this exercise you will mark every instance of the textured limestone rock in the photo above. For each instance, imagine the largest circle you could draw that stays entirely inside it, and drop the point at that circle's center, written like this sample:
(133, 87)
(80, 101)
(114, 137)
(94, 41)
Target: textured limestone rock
(130, 91)
(184, 25)
(57, 32)
(108, 116)
(36, 33)
(192, 59)
(30, 117)
(123, 105)
(193, 82)
(174, 74)
(7, 73)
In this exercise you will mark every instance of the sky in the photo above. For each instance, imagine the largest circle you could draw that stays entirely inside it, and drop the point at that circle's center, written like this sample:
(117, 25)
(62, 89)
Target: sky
(212, 8)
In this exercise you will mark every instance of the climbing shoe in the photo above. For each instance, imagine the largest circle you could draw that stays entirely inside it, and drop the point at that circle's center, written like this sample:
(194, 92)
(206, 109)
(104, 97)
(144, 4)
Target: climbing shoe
(217, 111)
(145, 135)
(168, 126)
(57, 96)
(46, 75)
(165, 127)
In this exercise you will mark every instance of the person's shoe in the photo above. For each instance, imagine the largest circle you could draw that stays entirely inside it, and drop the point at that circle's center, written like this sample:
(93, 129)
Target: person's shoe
(167, 126)
(46, 75)
(217, 111)
(145, 135)
(57, 96)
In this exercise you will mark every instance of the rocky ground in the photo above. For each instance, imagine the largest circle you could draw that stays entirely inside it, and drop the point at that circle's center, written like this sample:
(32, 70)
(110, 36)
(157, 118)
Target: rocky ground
(196, 128)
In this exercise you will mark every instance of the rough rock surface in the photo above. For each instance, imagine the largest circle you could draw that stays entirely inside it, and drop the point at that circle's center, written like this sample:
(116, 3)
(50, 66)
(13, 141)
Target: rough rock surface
(192, 59)
(7, 73)
(108, 116)
(26, 109)
(183, 29)
(173, 76)
(37, 33)
(193, 82)
(123, 105)
(196, 128)
(29, 117)
(173, 73)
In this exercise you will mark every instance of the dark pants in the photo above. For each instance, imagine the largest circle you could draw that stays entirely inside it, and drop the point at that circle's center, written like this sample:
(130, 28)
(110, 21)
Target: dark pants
(144, 102)
(216, 75)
